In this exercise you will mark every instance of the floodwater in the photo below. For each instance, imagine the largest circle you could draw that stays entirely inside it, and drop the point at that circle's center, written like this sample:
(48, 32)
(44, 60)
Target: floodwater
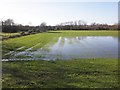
(67, 48)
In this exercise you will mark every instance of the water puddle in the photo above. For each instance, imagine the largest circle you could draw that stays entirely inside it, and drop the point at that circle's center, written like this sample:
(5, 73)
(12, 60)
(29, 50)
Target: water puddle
(73, 48)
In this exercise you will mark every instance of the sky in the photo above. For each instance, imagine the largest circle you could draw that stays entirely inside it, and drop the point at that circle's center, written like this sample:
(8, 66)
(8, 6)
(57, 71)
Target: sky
(34, 12)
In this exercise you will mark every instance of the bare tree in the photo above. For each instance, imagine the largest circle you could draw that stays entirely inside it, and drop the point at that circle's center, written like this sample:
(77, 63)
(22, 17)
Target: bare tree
(43, 27)
(43, 24)
(8, 22)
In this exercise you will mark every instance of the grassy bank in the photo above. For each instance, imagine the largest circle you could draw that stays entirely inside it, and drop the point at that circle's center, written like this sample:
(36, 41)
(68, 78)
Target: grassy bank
(84, 73)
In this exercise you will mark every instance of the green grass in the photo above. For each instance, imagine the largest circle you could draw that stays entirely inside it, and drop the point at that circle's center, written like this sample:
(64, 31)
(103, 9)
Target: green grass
(26, 42)
(88, 33)
(82, 73)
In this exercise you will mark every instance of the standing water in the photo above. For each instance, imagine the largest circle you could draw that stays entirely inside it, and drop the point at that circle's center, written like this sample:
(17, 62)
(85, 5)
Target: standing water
(74, 48)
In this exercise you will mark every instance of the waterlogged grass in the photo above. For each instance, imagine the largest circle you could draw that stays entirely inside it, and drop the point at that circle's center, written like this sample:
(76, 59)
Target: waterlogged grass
(36, 41)
(82, 73)
(79, 73)
(28, 41)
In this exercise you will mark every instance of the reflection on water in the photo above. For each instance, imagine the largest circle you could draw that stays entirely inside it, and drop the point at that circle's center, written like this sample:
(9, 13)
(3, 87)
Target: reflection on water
(74, 48)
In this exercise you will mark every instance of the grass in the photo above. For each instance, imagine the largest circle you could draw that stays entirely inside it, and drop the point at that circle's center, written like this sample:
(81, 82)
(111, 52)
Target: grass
(27, 42)
(88, 33)
(83, 73)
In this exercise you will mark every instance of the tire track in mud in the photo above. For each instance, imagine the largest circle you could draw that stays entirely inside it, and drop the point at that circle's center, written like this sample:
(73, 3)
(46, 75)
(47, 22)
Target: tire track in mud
(14, 51)
(17, 52)
(22, 48)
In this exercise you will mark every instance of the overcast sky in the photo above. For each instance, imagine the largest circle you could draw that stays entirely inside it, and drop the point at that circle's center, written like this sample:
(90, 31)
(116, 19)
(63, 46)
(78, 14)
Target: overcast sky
(54, 12)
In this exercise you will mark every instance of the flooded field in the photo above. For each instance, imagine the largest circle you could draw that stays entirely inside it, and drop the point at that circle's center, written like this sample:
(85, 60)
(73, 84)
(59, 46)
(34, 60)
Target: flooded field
(72, 48)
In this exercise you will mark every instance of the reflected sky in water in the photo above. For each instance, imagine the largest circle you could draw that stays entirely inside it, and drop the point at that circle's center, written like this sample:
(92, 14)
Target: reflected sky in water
(74, 48)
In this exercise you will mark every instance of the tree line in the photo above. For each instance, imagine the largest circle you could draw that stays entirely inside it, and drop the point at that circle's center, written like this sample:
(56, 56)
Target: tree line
(81, 25)
(9, 26)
